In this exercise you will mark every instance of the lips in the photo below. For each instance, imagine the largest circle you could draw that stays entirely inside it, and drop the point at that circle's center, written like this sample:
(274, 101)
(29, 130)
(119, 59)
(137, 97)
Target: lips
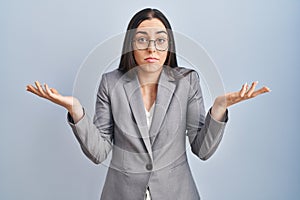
(151, 59)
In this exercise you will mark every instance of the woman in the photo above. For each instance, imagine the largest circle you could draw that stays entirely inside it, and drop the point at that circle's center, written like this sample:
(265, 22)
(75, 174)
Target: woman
(144, 110)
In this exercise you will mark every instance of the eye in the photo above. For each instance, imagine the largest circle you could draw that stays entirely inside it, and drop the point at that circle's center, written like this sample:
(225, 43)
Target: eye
(161, 40)
(142, 40)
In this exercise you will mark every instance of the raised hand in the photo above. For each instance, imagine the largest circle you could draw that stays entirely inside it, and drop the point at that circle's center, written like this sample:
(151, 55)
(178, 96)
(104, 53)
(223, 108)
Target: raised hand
(223, 102)
(69, 102)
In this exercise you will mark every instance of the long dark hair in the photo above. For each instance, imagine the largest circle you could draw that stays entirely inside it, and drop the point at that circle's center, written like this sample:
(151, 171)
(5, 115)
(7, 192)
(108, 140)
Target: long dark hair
(127, 61)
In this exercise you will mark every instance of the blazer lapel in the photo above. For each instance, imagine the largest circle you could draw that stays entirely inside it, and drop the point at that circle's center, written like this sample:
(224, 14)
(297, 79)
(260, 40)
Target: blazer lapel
(134, 96)
(164, 95)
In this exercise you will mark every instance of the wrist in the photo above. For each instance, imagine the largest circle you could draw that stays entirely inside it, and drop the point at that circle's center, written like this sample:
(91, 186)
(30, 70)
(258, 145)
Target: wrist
(218, 111)
(76, 112)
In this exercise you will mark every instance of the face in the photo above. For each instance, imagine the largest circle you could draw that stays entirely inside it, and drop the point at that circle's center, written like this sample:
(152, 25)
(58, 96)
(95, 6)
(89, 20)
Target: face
(148, 57)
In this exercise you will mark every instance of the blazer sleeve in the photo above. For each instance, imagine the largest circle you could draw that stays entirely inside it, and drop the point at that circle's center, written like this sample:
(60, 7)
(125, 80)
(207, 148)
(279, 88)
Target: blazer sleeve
(204, 132)
(96, 137)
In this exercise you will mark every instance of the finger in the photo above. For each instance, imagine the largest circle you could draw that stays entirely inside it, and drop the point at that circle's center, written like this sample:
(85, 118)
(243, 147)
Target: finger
(40, 89)
(251, 90)
(243, 90)
(48, 91)
(45, 91)
(32, 89)
(261, 91)
(29, 88)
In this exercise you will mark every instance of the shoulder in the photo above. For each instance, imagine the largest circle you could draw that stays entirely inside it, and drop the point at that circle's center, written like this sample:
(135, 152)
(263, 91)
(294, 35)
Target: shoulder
(112, 75)
(109, 79)
(184, 73)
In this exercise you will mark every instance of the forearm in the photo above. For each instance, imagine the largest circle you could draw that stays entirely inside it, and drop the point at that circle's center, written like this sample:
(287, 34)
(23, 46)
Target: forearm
(207, 139)
(95, 144)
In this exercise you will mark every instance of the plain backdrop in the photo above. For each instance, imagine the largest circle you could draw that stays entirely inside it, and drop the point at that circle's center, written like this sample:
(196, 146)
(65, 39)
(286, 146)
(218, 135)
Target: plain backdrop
(48, 41)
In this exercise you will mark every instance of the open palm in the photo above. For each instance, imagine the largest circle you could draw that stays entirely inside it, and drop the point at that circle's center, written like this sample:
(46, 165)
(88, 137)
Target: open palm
(223, 102)
(53, 95)
(245, 93)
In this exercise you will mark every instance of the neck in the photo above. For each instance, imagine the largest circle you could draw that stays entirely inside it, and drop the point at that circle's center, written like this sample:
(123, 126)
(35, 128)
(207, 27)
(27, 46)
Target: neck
(148, 78)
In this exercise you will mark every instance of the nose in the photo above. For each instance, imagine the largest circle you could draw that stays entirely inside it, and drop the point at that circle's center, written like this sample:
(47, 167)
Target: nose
(151, 46)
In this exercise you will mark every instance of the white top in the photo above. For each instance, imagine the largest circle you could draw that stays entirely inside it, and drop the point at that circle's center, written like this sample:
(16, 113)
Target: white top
(149, 115)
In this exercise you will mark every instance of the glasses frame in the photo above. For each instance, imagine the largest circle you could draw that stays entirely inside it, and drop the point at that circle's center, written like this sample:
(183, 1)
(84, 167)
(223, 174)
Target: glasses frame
(149, 41)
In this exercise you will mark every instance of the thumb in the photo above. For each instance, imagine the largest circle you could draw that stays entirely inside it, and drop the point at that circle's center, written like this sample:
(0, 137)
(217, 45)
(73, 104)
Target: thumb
(54, 91)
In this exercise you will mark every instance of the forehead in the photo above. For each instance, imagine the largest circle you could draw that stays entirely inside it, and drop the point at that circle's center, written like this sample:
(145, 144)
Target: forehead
(151, 26)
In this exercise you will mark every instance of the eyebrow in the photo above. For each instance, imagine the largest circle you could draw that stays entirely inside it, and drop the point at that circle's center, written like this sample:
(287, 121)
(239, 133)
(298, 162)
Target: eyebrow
(145, 33)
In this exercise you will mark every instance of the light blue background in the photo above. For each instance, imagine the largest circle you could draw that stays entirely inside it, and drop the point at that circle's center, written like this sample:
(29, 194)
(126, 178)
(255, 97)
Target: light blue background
(248, 40)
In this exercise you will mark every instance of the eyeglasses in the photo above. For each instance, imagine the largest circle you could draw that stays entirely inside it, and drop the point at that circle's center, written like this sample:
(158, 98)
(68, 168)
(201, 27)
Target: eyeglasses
(142, 43)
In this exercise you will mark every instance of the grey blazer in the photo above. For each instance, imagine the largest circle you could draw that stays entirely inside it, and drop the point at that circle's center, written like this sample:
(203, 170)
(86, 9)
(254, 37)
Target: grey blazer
(154, 158)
